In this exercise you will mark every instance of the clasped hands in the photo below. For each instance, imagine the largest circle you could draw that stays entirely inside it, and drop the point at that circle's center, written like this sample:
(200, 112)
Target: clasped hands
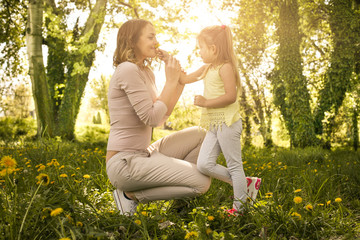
(173, 71)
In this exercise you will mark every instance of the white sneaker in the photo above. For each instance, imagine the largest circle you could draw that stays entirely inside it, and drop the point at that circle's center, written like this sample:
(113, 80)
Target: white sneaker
(125, 206)
(253, 186)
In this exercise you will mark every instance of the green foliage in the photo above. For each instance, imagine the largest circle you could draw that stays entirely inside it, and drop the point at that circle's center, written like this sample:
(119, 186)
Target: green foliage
(75, 198)
(344, 23)
(184, 115)
(12, 129)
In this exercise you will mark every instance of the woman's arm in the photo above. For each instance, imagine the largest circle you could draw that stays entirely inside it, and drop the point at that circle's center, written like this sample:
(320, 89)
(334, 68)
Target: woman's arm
(172, 89)
(192, 77)
(228, 77)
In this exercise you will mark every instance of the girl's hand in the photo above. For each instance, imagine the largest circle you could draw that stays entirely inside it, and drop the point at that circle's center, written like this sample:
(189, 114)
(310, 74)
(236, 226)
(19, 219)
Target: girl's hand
(172, 70)
(200, 101)
(163, 55)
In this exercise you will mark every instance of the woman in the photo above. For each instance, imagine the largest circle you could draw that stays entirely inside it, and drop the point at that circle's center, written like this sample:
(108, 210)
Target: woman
(142, 172)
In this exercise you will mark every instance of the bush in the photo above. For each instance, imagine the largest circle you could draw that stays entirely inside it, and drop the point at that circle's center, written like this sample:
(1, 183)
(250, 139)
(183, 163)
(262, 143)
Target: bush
(15, 128)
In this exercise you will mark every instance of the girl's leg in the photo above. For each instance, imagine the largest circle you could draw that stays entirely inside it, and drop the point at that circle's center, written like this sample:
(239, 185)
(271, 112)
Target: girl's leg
(208, 155)
(229, 141)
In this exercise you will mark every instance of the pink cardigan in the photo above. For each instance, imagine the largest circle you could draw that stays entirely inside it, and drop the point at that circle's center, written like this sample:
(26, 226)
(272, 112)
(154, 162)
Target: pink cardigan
(133, 107)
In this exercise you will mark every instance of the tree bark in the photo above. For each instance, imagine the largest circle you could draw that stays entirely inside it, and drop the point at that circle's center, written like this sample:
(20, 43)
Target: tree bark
(43, 106)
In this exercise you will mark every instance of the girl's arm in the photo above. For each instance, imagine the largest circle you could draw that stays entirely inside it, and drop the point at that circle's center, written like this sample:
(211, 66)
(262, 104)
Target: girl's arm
(228, 77)
(192, 77)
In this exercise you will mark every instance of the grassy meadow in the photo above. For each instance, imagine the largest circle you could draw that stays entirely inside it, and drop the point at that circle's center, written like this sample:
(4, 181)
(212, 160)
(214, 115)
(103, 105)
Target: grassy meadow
(53, 189)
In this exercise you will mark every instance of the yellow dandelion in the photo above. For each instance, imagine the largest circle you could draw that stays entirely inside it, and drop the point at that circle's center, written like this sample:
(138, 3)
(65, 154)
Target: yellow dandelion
(6, 171)
(309, 207)
(64, 175)
(43, 179)
(208, 231)
(41, 167)
(191, 234)
(321, 204)
(79, 224)
(338, 200)
(86, 176)
(137, 221)
(8, 162)
(77, 181)
(295, 214)
(268, 195)
(56, 212)
(297, 200)
(61, 167)
(144, 213)
(84, 161)
(328, 203)
(64, 239)
(297, 190)
(210, 218)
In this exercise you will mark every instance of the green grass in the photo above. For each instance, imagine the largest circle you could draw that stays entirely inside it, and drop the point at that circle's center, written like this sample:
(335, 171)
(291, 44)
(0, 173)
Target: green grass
(78, 185)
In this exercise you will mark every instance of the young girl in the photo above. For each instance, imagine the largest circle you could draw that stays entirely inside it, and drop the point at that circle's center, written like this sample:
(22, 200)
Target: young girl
(220, 111)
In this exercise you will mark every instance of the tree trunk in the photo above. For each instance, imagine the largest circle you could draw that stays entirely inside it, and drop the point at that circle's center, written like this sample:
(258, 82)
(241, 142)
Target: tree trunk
(295, 99)
(43, 106)
(77, 80)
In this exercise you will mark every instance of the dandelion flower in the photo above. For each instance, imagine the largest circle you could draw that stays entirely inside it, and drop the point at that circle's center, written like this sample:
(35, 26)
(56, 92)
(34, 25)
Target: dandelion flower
(8, 162)
(268, 195)
(210, 218)
(79, 224)
(191, 234)
(297, 190)
(208, 231)
(321, 204)
(295, 214)
(297, 200)
(338, 200)
(43, 179)
(41, 167)
(64, 175)
(86, 176)
(328, 203)
(144, 213)
(309, 207)
(138, 222)
(64, 239)
(56, 212)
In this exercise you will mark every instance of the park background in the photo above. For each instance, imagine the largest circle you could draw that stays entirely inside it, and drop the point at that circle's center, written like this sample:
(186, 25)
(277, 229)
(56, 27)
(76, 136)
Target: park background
(299, 62)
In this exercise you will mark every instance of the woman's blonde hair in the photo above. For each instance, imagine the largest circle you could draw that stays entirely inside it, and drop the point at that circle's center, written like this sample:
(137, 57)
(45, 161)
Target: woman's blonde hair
(221, 38)
(127, 37)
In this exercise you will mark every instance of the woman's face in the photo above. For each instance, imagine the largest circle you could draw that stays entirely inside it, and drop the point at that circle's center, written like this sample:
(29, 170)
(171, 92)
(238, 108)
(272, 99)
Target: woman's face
(146, 45)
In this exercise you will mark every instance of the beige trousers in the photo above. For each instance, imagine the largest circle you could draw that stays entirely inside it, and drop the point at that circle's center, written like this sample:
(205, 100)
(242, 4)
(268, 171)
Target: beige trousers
(166, 171)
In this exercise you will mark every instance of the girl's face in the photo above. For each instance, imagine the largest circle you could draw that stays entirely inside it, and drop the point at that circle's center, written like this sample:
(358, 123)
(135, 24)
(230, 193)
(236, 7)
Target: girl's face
(146, 45)
(207, 53)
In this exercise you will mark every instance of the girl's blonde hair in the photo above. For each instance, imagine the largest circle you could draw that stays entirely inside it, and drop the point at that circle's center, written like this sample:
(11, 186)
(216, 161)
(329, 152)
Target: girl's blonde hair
(127, 37)
(221, 38)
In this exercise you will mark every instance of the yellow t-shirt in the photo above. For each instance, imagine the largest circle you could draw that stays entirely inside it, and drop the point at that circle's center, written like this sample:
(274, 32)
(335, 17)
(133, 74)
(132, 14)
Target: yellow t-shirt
(213, 88)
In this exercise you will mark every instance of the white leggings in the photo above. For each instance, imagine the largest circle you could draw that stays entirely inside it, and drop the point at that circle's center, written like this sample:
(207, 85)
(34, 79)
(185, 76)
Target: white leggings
(167, 171)
(226, 140)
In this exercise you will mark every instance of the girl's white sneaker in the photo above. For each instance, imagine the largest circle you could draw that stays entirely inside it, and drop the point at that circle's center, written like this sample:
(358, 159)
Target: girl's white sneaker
(253, 186)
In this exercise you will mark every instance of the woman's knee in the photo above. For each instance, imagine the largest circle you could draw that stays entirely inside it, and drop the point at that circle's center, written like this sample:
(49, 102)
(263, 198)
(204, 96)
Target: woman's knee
(204, 185)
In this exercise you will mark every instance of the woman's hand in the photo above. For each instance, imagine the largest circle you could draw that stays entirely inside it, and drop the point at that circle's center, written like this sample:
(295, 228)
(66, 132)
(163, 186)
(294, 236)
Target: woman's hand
(163, 55)
(200, 101)
(172, 70)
